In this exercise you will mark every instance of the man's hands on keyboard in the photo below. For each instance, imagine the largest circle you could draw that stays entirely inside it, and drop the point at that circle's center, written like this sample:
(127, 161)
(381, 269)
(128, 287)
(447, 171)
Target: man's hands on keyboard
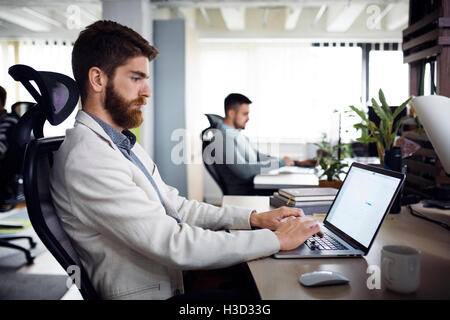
(296, 230)
(326, 242)
(274, 218)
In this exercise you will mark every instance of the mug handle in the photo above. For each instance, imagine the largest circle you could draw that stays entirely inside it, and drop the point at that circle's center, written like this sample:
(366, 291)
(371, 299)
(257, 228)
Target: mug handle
(385, 268)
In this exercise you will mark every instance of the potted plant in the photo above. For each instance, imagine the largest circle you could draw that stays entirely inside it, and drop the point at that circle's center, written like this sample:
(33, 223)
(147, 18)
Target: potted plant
(331, 162)
(383, 134)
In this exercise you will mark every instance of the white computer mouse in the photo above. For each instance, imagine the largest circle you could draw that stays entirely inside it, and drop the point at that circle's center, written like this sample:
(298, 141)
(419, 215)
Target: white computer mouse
(322, 278)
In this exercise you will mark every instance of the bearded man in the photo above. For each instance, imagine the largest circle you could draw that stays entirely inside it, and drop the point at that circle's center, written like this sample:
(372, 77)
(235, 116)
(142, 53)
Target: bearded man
(133, 233)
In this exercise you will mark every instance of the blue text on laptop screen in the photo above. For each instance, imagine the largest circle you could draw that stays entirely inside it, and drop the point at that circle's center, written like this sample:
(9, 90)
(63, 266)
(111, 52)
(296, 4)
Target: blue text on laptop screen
(362, 202)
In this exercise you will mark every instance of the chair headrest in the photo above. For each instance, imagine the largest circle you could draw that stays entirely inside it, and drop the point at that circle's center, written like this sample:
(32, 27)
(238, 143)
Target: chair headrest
(214, 119)
(57, 94)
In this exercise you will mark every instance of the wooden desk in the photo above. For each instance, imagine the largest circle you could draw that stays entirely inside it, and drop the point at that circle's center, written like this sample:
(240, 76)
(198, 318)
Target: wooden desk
(278, 279)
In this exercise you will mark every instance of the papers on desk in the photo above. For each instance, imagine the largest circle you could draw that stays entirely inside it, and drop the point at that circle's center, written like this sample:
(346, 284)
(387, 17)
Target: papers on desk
(301, 198)
(432, 213)
(309, 194)
(278, 181)
(289, 170)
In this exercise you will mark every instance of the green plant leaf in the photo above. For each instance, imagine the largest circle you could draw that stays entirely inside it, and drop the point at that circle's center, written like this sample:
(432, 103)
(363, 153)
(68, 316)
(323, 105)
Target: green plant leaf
(384, 104)
(401, 107)
(359, 126)
(382, 131)
(379, 111)
(394, 132)
(360, 113)
(372, 127)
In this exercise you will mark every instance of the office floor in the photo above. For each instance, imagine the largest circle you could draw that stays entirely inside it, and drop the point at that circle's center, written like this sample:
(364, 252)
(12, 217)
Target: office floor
(45, 263)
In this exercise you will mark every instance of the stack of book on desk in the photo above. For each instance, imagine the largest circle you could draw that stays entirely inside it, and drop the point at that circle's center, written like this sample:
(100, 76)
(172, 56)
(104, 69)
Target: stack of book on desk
(311, 200)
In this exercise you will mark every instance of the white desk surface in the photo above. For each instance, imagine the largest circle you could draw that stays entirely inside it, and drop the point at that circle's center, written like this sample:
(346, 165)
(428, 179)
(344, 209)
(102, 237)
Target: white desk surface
(297, 177)
(278, 278)
(285, 180)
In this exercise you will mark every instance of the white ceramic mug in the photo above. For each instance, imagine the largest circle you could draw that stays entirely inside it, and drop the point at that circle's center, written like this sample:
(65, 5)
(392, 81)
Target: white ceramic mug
(400, 268)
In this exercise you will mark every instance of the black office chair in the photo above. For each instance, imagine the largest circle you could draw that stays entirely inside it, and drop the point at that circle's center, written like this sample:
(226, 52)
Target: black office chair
(207, 137)
(10, 191)
(218, 171)
(11, 184)
(56, 100)
(214, 119)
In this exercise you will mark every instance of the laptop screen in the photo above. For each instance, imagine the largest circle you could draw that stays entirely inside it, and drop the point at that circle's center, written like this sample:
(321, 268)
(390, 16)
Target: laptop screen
(361, 203)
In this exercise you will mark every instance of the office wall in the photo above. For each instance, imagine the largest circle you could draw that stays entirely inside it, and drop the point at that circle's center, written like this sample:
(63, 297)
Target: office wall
(136, 14)
(169, 99)
(193, 116)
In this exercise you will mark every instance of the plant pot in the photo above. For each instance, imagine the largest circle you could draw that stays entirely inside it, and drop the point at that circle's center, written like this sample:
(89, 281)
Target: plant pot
(393, 161)
(330, 184)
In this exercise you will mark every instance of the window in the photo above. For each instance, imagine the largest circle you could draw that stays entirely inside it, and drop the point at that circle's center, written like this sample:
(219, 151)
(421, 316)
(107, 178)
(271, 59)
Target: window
(388, 72)
(295, 88)
(7, 60)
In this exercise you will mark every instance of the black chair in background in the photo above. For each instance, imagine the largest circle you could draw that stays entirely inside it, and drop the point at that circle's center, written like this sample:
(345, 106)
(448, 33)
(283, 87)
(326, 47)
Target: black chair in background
(11, 182)
(214, 119)
(207, 137)
(56, 99)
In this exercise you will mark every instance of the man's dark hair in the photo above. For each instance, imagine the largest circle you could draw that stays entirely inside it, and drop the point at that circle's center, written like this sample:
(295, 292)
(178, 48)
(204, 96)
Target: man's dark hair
(234, 100)
(106, 45)
(2, 98)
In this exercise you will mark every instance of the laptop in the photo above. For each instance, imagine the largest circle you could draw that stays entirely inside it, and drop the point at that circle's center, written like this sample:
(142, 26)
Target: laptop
(355, 216)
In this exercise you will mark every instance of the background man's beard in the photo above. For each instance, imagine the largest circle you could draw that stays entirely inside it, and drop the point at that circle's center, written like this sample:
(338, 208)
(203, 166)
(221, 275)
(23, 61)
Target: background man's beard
(238, 126)
(122, 111)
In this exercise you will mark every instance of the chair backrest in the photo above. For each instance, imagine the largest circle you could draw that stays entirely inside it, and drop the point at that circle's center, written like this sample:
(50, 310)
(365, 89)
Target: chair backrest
(37, 164)
(7, 123)
(56, 99)
(207, 137)
(214, 119)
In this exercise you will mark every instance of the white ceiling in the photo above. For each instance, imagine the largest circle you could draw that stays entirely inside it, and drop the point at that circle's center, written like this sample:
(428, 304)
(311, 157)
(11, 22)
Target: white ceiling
(351, 20)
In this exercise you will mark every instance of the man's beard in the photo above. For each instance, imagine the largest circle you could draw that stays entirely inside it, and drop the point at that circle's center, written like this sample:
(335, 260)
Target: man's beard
(122, 111)
(238, 126)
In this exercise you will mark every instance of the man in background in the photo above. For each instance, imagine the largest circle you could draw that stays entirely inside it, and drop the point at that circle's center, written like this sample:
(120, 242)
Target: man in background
(8, 120)
(246, 161)
(2, 100)
(7, 123)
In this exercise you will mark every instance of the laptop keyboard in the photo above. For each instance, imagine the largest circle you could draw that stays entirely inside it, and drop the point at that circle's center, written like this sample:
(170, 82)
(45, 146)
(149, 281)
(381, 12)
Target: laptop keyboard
(328, 242)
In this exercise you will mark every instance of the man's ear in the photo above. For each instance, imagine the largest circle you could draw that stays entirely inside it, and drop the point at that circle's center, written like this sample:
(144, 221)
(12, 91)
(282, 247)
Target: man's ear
(97, 79)
(231, 114)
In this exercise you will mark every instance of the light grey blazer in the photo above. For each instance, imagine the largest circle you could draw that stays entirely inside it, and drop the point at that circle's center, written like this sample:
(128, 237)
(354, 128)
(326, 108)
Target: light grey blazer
(128, 245)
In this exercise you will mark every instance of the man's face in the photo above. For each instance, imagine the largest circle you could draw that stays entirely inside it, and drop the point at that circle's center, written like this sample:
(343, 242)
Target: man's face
(126, 93)
(241, 116)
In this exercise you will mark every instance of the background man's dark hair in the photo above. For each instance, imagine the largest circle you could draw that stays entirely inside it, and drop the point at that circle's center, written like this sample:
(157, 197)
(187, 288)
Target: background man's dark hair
(234, 100)
(2, 100)
(106, 45)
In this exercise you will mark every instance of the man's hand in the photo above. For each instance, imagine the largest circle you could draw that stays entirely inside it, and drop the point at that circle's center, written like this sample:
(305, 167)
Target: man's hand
(273, 219)
(289, 162)
(296, 230)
